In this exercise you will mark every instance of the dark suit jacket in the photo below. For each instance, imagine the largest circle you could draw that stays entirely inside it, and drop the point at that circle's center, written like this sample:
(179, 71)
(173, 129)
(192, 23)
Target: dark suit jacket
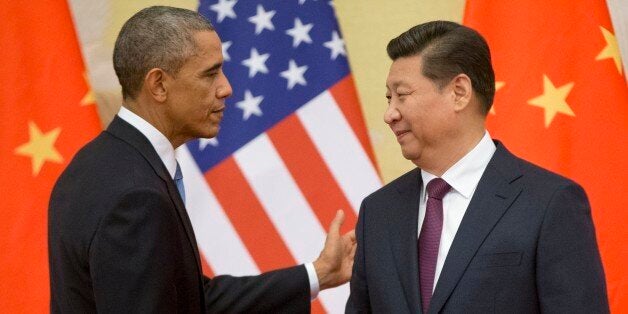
(120, 241)
(526, 244)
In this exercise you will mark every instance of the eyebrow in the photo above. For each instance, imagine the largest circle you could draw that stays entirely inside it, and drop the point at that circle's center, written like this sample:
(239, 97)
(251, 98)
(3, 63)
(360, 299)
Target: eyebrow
(213, 68)
(395, 84)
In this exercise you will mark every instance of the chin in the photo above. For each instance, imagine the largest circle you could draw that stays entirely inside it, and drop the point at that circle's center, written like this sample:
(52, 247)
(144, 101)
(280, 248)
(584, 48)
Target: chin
(409, 155)
(211, 132)
(209, 135)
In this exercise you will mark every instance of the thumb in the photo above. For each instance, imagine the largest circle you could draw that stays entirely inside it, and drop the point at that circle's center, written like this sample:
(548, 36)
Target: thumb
(334, 227)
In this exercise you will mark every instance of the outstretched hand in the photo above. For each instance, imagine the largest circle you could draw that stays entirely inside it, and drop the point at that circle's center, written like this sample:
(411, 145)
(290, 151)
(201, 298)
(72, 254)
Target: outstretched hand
(335, 263)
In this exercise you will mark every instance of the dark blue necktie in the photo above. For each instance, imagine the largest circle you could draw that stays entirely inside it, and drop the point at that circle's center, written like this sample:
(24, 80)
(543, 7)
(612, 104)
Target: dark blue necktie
(178, 180)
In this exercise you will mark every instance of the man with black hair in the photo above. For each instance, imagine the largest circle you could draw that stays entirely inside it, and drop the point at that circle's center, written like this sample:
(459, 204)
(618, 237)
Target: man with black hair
(473, 229)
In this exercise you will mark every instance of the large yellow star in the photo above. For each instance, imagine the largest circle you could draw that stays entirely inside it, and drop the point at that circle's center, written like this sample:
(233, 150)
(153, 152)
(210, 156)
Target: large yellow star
(553, 100)
(611, 50)
(89, 98)
(40, 147)
(498, 85)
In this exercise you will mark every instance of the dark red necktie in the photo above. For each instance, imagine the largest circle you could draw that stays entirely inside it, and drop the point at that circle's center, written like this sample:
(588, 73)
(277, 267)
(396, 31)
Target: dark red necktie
(429, 238)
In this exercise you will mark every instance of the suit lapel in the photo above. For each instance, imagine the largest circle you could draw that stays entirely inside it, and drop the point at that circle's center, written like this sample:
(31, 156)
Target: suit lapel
(185, 219)
(494, 194)
(126, 132)
(403, 237)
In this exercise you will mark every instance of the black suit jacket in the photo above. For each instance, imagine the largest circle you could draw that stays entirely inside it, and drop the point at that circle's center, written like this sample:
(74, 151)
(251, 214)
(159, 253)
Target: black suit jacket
(120, 241)
(526, 244)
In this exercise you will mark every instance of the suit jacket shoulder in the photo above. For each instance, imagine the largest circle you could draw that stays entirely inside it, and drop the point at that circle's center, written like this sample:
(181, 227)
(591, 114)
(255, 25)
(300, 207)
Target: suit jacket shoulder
(526, 243)
(121, 241)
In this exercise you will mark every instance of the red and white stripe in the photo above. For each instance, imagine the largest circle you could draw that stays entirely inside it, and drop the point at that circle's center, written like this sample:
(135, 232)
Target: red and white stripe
(269, 205)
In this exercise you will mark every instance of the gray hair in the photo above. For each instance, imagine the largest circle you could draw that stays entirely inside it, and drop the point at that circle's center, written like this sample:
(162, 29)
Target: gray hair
(155, 37)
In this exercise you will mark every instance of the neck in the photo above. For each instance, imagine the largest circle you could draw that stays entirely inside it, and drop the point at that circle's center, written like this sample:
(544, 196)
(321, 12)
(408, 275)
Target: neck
(449, 153)
(152, 115)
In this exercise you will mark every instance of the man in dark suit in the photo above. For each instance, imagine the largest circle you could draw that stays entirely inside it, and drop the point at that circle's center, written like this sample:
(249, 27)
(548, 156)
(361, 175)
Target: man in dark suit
(120, 239)
(473, 229)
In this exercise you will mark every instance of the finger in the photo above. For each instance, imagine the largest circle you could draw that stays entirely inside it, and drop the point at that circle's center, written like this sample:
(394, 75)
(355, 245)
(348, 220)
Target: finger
(350, 236)
(334, 227)
(348, 240)
(353, 250)
(349, 271)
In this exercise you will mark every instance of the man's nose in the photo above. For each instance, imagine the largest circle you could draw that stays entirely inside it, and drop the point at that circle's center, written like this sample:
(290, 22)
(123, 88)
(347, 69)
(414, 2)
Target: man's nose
(391, 114)
(225, 89)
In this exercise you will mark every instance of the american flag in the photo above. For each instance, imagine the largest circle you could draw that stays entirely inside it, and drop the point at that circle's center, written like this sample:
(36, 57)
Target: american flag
(292, 149)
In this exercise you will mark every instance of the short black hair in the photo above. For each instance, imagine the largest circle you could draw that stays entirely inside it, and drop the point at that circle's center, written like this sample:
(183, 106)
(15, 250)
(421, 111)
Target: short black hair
(448, 49)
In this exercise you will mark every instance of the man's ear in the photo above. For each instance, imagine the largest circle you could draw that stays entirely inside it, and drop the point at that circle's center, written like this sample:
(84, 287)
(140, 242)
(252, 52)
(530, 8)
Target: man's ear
(154, 84)
(463, 90)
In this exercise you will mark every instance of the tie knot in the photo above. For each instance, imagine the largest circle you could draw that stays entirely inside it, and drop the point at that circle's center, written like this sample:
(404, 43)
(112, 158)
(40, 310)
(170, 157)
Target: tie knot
(437, 188)
(178, 175)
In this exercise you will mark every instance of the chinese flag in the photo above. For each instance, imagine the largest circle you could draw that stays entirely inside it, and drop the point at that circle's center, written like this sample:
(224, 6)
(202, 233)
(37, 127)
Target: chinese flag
(47, 113)
(562, 103)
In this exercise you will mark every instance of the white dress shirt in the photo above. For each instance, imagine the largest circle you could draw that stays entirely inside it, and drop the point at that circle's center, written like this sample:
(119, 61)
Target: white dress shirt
(159, 141)
(463, 177)
(166, 153)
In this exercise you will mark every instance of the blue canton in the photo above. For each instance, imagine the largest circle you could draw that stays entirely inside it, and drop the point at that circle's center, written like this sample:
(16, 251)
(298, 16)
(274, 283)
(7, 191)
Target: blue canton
(278, 56)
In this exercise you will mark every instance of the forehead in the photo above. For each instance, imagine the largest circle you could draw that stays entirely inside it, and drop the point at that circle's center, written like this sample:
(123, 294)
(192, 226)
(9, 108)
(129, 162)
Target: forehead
(405, 71)
(208, 48)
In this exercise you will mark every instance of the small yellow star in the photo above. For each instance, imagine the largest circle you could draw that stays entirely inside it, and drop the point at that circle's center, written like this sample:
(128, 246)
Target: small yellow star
(40, 147)
(498, 85)
(553, 100)
(89, 98)
(611, 50)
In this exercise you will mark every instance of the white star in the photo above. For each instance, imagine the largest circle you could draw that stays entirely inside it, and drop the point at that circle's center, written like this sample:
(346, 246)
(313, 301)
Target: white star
(203, 142)
(225, 53)
(294, 74)
(301, 2)
(250, 105)
(224, 8)
(256, 63)
(337, 45)
(300, 32)
(262, 20)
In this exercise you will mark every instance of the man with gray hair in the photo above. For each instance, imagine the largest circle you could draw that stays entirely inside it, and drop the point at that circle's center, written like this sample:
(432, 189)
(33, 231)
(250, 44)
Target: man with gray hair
(120, 239)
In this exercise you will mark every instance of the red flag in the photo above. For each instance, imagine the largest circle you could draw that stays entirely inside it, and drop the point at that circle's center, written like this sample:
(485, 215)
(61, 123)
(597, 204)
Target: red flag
(47, 113)
(562, 102)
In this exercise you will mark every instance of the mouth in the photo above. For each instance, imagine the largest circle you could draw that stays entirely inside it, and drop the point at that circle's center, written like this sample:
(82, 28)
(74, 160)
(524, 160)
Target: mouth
(219, 110)
(400, 133)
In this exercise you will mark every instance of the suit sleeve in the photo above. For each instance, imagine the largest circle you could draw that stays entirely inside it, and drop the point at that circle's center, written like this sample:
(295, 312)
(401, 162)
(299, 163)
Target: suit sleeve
(570, 277)
(131, 271)
(358, 301)
(280, 291)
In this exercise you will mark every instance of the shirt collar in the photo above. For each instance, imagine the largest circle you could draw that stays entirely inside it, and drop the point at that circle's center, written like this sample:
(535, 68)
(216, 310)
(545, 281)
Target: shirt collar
(465, 174)
(162, 145)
